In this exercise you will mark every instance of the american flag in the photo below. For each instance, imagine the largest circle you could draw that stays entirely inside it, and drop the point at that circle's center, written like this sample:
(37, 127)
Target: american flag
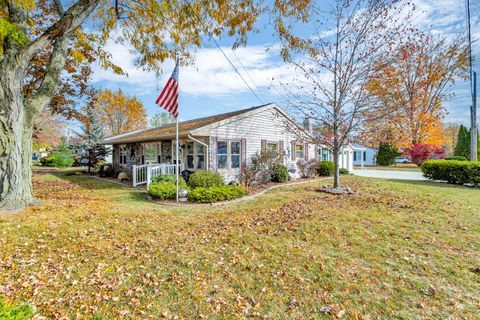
(168, 99)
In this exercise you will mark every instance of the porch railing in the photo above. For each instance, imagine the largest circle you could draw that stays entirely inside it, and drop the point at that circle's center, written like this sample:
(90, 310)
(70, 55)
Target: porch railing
(144, 174)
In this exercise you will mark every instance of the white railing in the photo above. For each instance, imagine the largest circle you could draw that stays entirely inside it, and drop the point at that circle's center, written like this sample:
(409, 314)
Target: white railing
(144, 174)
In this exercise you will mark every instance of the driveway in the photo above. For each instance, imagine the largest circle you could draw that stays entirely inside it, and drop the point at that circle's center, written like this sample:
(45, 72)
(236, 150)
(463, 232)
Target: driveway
(387, 174)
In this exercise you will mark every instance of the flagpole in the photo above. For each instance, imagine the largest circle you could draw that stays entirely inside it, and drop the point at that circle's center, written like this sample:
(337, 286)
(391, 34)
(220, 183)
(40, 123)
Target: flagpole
(178, 164)
(176, 134)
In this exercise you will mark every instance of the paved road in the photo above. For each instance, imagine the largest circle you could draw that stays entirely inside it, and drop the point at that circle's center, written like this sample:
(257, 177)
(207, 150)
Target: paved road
(387, 174)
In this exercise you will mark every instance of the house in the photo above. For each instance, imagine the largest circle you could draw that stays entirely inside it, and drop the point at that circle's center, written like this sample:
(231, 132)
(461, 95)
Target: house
(222, 143)
(363, 155)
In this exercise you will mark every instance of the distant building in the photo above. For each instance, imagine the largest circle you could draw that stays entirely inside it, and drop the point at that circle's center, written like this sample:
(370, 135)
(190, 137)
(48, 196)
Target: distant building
(363, 155)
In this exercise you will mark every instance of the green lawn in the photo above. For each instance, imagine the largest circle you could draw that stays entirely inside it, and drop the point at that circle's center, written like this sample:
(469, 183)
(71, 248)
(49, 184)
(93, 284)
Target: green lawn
(398, 167)
(395, 250)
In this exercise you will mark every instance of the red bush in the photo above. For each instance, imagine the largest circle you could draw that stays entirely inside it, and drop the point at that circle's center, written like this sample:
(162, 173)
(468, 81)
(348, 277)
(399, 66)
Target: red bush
(421, 152)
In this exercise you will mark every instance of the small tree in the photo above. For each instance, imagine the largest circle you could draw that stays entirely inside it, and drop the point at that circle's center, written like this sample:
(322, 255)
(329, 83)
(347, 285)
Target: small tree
(463, 143)
(422, 152)
(91, 135)
(62, 157)
(335, 64)
(386, 154)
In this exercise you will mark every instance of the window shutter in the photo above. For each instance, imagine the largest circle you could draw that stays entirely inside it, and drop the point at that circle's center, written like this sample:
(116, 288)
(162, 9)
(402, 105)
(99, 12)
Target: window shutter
(293, 150)
(213, 153)
(243, 151)
(305, 151)
(263, 147)
(281, 147)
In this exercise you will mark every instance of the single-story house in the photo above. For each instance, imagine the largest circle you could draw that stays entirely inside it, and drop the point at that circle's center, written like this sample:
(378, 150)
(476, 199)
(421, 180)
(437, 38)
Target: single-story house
(363, 155)
(223, 143)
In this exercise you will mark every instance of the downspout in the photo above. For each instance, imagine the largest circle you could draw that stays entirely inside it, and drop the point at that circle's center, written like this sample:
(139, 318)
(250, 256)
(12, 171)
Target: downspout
(206, 146)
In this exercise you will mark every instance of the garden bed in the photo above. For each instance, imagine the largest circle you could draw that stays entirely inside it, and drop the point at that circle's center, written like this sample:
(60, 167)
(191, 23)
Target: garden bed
(254, 192)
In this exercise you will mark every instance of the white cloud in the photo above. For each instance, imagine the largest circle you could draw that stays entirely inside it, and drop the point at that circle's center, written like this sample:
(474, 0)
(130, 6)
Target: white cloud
(211, 74)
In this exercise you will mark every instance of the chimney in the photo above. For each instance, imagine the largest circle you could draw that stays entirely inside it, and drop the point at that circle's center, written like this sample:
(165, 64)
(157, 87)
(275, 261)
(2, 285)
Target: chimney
(307, 125)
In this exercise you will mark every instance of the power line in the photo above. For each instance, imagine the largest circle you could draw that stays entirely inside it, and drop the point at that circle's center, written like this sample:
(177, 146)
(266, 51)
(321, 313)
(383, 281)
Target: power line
(226, 57)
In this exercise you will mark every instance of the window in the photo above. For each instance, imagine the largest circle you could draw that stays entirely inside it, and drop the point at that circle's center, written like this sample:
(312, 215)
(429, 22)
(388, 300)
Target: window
(222, 154)
(200, 156)
(150, 151)
(326, 154)
(190, 155)
(364, 156)
(299, 154)
(273, 147)
(235, 154)
(123, 155)
(355, 155)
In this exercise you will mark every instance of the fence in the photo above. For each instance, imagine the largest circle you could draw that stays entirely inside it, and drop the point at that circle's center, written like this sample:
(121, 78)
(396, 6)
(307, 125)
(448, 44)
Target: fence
(144, 174)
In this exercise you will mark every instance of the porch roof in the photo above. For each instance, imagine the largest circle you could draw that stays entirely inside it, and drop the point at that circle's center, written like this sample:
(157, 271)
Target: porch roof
(168, 131)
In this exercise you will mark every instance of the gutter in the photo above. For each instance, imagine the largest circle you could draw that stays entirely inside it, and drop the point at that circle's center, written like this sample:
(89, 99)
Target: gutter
(205, 145)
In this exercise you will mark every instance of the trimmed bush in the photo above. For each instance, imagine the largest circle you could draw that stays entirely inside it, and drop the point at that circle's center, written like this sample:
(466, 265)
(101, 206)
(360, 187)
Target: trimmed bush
(214, 194)
(386, 154)
(162, 190)
(170, 178)
(452, 171)
(456, 158)
(47, 161)
(325, 168)
(344, 171)
(279, 173)
(205, 179)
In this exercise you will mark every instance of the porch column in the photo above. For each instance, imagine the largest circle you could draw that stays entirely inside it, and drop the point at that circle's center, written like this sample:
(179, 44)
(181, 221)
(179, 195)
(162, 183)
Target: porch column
(361, 158)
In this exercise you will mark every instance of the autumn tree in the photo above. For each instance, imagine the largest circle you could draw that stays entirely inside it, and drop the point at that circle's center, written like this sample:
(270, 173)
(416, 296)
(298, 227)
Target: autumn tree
(413, 87)
(118, 112)
(155, 30)
(334, 64)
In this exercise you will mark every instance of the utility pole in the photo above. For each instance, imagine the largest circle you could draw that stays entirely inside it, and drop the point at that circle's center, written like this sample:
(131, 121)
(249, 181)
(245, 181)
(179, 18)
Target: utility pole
(473, 87)
(474, 130)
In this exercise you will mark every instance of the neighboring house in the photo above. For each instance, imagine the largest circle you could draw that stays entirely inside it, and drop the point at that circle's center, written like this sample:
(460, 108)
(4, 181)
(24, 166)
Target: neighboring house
(363, 155)
(223, 143)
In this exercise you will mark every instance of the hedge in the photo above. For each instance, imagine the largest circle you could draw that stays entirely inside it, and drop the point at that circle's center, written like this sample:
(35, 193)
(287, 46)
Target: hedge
(325, 168)
(162, 190)
(279, 173)
(170, 178)
(452, 171)
(458, 158)
(205, 179)
(214, 194)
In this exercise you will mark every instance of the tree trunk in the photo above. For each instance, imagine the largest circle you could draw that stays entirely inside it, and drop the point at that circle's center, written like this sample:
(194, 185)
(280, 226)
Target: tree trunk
(15, 140)
(336, 172)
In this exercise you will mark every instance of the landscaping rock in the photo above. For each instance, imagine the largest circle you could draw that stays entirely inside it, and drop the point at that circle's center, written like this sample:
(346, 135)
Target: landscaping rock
(325, 309)
(338, 191)
(122, 176)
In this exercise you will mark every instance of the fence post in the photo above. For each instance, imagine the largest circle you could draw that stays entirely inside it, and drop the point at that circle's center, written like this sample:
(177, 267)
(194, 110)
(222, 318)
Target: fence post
(149, 175)
(134, 175)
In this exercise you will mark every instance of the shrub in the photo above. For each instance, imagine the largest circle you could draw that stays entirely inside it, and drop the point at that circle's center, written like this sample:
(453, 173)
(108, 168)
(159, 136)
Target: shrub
(421, 152)
(386, 154)
(246, 176)
(62, 159)
(280, 173)
(162, 190)
(263, 164)
(170, 178)
(214, 194)
(308, 169)
(47, 161)
(452, 171)
(456, 158)
(343, 171)
(205, 179)
(15, 312)
(325, 168)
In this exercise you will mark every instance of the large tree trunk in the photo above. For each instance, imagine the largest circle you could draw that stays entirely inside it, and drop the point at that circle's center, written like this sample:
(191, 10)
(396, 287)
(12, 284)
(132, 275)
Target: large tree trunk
(15, 140)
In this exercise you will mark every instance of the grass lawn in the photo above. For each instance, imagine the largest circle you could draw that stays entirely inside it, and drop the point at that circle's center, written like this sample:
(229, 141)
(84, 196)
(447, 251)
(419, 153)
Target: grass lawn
(98, 250)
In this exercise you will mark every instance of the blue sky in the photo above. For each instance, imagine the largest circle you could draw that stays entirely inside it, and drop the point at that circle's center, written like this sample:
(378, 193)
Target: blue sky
(212, 86)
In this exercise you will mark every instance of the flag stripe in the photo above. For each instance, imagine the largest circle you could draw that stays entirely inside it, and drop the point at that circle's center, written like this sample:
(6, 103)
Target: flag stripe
(168, 98)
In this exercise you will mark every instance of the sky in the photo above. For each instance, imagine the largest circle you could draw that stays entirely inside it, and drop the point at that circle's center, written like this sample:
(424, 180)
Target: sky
(212, 86)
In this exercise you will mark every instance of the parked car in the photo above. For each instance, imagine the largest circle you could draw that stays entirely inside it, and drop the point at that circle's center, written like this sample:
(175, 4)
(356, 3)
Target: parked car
(403, 160)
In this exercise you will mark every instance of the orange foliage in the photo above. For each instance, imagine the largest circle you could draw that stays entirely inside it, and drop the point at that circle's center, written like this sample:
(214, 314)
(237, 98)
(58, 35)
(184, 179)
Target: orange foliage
(118, 112)
(412, 88)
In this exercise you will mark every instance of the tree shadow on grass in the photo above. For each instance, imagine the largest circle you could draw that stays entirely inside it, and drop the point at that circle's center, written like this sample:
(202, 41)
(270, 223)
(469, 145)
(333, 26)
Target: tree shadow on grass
(438, 184)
